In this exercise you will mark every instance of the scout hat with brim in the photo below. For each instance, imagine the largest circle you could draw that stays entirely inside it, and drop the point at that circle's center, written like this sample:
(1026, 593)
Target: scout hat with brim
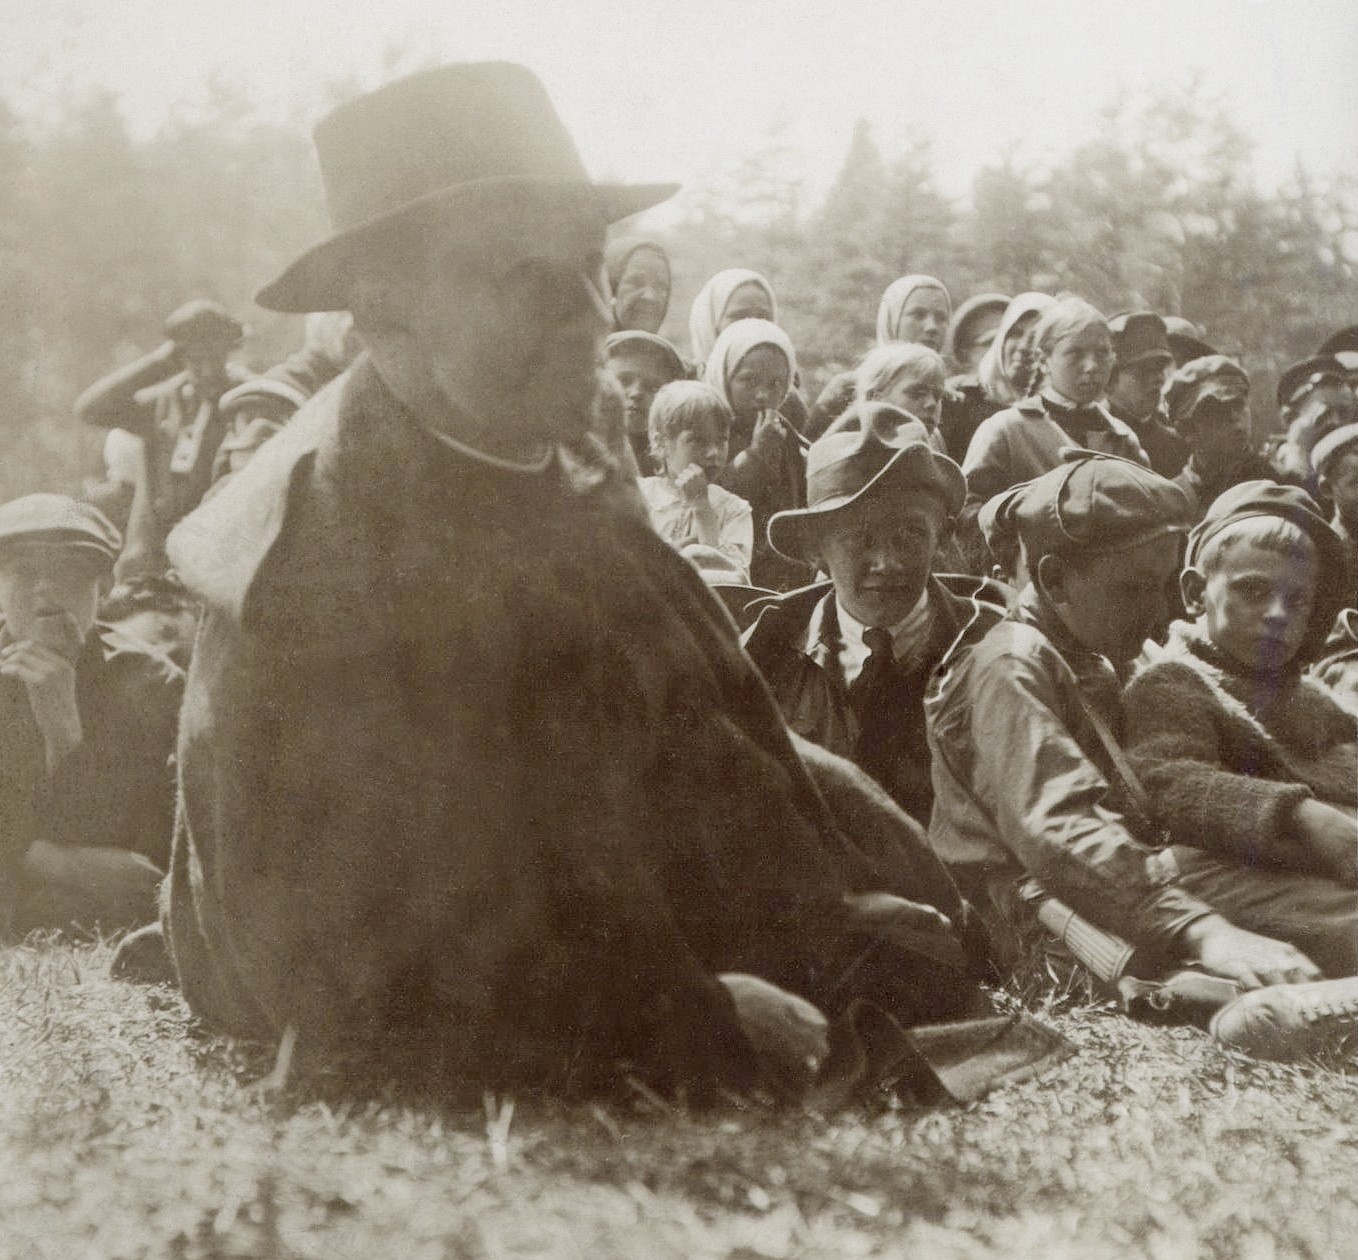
(1252, 499)
(460, 140)
(845, 467)
(58, 520)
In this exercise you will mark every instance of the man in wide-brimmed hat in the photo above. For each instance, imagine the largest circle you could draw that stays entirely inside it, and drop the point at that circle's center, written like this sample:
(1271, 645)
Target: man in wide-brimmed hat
(476, 781)
(849, 658)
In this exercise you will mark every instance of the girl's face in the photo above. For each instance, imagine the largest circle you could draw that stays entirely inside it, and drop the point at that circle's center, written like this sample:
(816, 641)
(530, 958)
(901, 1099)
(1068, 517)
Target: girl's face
(759, 382)
(1017, 353)
(747, 301)
(1080, 363)
(703, 443)
(643, 293)
(924, 318)
(920, 395)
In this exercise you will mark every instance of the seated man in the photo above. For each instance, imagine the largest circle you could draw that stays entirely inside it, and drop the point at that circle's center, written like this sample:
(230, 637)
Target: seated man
(1026, 779)
(476, 783)
(1209, 405)
(87, 722)
(1249, 766)
(848, 659)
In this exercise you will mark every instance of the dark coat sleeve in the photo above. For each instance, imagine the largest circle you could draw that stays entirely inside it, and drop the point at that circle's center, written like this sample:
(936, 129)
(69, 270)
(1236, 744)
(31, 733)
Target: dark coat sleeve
(1176, 743)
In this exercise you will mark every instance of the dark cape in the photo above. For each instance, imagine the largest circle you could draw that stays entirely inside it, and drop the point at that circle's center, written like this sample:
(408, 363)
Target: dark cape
(474, 771)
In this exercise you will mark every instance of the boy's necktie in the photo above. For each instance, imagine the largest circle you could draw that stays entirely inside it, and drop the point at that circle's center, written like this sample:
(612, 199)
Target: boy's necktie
(868, 698)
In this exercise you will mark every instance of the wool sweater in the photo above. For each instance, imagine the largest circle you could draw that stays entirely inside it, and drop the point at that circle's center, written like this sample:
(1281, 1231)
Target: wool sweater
(1226, 757)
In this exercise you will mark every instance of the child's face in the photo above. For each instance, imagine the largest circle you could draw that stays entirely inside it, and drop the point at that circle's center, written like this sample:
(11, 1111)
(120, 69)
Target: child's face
(1080, 363)
(1256, 604)
(1220, 435)
(1136, 390)
(759, 382)
(924, 318)
(1114, 603)
(48, 594)
(1016, 355)
(878, 552)
(747, 301)
(919, 394)
(643, 292)
(1341, 479)
(703, 443)
(639, 374)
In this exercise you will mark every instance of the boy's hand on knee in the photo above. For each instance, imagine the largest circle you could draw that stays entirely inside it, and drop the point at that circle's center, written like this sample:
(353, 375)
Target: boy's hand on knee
(1249, 959)
(1332, 835)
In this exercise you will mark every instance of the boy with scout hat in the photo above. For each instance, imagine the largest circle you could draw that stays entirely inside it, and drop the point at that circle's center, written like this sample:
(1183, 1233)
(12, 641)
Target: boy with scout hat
(477, 784)
(848, 659)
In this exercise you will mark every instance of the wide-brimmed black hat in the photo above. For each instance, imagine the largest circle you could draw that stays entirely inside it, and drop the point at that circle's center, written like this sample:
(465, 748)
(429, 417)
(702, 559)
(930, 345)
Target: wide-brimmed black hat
(458, 138)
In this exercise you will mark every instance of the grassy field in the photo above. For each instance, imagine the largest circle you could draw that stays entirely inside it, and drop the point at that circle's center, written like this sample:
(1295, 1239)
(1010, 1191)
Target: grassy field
(122, 1134)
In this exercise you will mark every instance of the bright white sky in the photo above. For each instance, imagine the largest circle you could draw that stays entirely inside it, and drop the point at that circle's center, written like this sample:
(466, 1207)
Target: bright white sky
(663, 90)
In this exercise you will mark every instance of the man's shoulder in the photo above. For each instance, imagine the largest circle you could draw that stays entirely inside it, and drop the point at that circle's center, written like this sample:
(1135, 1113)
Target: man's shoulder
(785, 618)
(217, 548)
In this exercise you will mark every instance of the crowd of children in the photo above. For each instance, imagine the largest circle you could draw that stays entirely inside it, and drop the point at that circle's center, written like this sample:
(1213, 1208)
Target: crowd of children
(1094, 642)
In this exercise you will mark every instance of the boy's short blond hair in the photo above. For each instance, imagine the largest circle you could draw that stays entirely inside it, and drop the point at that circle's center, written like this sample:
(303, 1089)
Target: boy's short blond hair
(678, 405)
(883, 365)
(1269, 533)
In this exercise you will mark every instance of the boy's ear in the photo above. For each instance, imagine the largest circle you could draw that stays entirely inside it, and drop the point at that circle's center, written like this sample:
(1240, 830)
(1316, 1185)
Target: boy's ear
(1050, 578)
(1193, 587)
(946, 528)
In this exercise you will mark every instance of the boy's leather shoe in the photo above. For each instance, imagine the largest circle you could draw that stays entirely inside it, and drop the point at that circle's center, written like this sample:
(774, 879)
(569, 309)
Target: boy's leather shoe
(1290, 1021)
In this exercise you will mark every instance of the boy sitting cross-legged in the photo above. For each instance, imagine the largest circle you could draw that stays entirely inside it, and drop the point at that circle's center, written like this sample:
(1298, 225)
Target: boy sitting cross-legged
(1250, 765)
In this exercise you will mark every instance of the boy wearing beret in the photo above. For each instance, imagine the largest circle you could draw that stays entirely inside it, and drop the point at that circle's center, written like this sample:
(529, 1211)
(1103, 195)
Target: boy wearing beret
(87, 722)
(1022, 729)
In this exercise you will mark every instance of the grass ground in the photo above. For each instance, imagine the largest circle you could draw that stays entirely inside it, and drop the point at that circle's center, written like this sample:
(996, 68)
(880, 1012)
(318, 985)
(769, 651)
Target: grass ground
(123, 1135)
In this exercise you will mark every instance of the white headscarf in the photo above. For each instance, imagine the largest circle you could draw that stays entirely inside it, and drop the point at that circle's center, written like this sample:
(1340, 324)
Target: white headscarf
(893, 303)
(996, 385)
(710, 305)
(736, 342)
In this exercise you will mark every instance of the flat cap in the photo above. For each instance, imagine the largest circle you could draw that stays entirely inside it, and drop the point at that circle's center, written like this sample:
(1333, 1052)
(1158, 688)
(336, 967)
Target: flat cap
(1212, 376)
(203, 323)
(1139, 336)
(1301, 376)
(844, 466)
(60, 520)
(1186, 340)
(1252, 499)
(1345, 341)
(1093, 504)
(635, 340)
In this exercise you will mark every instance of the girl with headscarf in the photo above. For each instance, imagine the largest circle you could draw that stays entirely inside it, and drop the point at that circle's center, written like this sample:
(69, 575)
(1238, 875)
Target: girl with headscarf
(1005, 375)
(639, 276)
(751, 366)
(914, 309)
(736, 293)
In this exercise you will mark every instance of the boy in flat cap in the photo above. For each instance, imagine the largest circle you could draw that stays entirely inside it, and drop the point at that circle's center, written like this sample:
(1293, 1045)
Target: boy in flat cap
(87, 721)
(848, 659)
(170, 399)
(1209, 405)
(1022, 726)
(476, 782)
(1142, 363)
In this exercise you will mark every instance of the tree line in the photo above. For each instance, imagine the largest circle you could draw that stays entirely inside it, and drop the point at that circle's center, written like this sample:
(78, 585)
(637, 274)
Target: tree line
(103, 232)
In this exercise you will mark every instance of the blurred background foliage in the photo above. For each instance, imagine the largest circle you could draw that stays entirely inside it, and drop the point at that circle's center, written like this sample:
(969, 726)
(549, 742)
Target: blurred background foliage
(102, 233)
